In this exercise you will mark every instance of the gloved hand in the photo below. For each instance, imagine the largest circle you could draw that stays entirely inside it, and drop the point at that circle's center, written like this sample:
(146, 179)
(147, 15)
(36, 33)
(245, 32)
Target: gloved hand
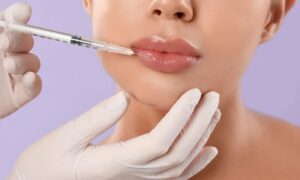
(19, 82)
(166, 152)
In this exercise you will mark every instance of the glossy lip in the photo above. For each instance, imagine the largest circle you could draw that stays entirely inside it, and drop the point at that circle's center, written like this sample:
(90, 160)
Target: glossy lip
(166, 56)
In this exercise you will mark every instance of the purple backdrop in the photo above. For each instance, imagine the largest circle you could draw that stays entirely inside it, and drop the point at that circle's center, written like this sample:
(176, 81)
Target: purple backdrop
(271, 84)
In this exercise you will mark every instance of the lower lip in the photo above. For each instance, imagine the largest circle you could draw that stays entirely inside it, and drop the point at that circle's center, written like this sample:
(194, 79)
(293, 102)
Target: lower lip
(166, 62)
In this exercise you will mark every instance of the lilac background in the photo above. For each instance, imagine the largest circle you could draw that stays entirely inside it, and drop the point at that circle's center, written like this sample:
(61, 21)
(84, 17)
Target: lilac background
(74, 80)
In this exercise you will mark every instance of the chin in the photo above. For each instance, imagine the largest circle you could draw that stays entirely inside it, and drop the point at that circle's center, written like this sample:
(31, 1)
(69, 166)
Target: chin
(156, 102)
(160, 98)
(146, 86)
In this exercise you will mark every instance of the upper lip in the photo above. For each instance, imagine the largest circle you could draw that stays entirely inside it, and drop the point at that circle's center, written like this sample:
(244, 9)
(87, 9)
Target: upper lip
(174, 46)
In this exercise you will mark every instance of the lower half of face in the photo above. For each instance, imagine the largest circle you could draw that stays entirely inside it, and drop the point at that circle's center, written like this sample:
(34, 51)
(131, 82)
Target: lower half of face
(226, 32)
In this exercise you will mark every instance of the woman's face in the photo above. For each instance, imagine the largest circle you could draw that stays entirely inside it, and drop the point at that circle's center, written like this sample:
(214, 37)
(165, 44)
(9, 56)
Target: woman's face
(226, 32)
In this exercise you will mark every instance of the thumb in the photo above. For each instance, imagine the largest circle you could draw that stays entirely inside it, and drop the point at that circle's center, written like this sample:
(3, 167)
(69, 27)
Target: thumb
(18, 13)
(101, 117)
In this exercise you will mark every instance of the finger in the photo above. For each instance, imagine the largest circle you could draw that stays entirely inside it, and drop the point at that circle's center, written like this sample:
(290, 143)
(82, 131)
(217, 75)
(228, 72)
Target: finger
(28, 88)
(1, 18)
(200, 163)
(18, 13)
(12, 41)
(101, 117)
(15, 42)
(199, 123)
(156, 143)
(167, 130)
(203, 158)
(21, 63)
(163, 166)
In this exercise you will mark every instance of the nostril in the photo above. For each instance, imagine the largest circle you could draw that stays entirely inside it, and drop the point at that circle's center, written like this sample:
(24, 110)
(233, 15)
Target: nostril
(156, 11)
(179, 14)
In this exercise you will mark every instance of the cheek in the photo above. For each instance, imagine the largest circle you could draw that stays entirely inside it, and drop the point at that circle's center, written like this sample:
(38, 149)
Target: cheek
(112, 21)
(231, 32)
(105, 27)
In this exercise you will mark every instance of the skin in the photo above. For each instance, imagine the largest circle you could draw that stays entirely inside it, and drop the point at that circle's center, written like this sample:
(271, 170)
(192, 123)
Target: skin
(251, 145)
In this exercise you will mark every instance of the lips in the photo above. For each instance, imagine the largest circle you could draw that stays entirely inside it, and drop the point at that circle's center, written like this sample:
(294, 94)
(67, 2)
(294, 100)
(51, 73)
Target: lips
(166, 56)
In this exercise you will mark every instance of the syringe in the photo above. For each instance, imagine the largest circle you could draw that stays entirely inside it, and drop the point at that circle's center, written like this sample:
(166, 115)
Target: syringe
(67, 38)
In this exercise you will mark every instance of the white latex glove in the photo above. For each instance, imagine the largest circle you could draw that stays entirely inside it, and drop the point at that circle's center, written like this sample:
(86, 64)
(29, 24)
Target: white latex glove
(166, 152)
(19, 82)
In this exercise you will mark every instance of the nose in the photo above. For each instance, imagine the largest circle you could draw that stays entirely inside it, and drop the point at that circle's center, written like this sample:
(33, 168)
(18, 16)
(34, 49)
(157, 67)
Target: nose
(172, 9)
